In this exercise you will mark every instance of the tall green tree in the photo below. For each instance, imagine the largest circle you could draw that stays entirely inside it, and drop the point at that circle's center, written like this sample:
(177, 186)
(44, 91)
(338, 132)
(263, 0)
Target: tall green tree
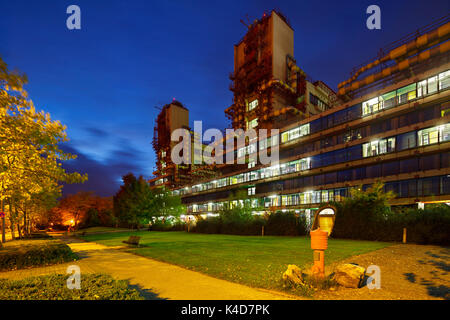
(166, 204)
(136, 203)
(30, 158)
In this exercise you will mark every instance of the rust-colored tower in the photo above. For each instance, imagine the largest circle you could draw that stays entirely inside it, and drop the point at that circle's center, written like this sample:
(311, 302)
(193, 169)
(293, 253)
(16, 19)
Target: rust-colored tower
(172, 116)
(266, 82)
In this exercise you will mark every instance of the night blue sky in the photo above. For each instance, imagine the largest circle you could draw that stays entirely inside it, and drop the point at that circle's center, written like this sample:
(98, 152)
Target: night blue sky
(104, 80)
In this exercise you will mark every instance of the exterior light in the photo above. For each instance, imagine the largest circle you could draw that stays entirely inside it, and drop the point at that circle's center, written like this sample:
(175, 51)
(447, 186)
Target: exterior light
(321, 228)
(212, 214)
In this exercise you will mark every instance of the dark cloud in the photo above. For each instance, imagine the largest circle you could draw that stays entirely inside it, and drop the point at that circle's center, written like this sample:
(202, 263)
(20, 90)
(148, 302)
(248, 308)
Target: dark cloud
(96, 132)
(104, 177)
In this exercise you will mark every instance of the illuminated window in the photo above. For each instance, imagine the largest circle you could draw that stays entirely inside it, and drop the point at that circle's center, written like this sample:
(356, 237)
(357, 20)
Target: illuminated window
(273, 140)
(432, 84)
(252, 124)
(388, 100)
(406, 93)
(295, 133)
(428, 136)
(444, 80)
(241, 152)
(251, 191)
(275, 201)
(422, 88)
(252, 105)
(304, 129)
(370, 106)
(251, 148)
(381, 146)
(444, 132)
(305, 164)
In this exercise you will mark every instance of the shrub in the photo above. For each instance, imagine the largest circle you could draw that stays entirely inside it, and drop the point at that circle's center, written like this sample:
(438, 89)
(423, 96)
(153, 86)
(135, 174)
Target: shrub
(167, 226)
(429, 226)
(31, 253)
(237, 221)
(360, 215)
(241, 222)
(54, 287)
(285, 224)
(209, 225)
(366, 216)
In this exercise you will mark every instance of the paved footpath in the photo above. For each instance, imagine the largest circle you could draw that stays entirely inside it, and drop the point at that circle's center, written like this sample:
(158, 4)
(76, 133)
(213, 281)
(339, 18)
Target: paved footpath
(155, 279)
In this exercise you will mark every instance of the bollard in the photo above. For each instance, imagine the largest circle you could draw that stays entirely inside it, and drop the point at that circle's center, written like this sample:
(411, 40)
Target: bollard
(404, 235)
(319, 243)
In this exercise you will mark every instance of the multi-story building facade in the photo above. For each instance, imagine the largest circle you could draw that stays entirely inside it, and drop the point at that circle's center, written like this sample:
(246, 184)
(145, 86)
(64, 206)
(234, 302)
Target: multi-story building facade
(270, 90)
(175, 116)
(393, 126)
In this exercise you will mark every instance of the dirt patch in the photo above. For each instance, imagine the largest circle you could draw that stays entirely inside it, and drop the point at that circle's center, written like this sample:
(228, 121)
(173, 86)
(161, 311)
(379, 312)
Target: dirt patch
(408, 271)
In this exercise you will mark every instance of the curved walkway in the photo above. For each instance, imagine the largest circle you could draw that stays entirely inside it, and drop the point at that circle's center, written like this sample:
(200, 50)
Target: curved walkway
(155, 279)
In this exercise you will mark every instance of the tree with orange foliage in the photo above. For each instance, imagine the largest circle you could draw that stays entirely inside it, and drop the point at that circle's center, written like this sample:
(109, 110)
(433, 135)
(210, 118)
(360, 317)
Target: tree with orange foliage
(81, 209)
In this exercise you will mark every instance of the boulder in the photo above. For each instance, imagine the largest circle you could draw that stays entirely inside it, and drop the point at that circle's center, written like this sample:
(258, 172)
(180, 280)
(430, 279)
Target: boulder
(293, 275)
(349, 275)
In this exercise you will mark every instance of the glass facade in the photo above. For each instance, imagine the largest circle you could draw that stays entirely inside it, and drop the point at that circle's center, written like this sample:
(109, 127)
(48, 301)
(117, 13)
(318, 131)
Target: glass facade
(431, 186)
(318, 157)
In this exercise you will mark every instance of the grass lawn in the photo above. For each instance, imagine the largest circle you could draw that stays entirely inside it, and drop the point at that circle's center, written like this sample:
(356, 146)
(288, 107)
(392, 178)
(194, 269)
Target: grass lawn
(251, 260)
(100, 230)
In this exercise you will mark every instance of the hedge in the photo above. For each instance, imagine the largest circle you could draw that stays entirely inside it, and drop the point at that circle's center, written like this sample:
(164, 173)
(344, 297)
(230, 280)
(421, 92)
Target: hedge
(428, 226)
(281, 224)
(54, 287)
(21, 254)
(167, 226)
(286, 224)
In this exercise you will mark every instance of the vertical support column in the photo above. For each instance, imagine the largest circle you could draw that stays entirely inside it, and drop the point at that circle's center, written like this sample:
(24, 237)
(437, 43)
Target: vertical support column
(319, 264)
(404, 235)
(3, 222)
